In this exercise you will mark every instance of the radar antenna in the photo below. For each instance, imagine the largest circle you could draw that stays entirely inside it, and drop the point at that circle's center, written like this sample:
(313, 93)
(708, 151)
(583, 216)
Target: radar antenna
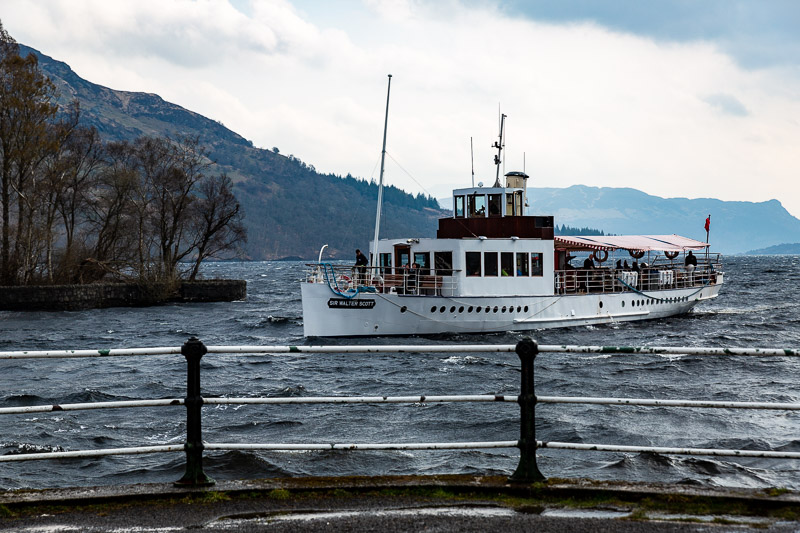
(499, 146)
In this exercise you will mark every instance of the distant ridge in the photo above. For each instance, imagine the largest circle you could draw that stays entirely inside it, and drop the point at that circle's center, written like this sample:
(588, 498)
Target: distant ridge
(291, 210)
(779, 249)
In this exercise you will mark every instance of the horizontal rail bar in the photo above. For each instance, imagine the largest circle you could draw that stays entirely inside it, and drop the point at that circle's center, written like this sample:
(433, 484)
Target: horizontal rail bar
(389, 348)
(422, 348)
(668, 403)
(668, 350)
(359, 399)
(68, 354)
(354, 446)
(91, 405)
(91, 453)
(668, 451)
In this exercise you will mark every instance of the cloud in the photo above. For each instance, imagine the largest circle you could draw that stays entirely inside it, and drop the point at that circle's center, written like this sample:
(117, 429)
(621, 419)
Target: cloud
(588, 101)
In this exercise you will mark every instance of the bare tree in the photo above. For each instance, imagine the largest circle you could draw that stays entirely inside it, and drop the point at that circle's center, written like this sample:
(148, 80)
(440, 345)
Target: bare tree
(26, 109)
(216, 221)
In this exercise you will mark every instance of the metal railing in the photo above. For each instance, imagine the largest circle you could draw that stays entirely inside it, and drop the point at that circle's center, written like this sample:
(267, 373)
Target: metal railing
(385, 280)
(527, 470)
(651, 278)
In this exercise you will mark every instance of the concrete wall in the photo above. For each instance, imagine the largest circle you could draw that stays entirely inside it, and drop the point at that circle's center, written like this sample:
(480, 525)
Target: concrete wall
(77, 297)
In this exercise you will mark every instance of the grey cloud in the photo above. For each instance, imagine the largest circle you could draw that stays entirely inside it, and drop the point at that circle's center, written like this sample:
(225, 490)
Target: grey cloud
(756, 34)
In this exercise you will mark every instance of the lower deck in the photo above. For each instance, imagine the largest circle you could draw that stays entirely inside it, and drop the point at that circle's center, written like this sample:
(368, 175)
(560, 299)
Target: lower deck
(327, 314)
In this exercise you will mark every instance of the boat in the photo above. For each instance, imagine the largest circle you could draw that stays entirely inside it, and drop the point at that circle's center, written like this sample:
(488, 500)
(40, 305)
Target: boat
(494, 268)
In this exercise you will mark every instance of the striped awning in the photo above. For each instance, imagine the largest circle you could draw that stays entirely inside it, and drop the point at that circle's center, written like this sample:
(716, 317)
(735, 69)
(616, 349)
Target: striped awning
(639, 243)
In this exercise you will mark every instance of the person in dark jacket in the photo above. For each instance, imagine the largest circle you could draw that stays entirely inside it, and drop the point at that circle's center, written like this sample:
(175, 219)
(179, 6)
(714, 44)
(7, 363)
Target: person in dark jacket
(361, 267)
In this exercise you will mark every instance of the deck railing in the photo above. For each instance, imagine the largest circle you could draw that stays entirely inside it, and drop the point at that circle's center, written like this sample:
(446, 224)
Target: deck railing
(385, 280)
(650, 278)
(527, 470)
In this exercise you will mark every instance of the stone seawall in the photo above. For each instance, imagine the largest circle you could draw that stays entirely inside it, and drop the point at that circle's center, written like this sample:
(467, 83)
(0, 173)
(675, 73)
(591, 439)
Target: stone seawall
(96, 295)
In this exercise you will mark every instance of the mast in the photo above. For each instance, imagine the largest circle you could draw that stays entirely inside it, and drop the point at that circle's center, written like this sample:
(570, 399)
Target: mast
(472, 159)
(374, 259)
(499, 146)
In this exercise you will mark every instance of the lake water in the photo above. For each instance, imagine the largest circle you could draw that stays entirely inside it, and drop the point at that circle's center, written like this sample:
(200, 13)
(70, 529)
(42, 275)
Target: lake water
(757, 308)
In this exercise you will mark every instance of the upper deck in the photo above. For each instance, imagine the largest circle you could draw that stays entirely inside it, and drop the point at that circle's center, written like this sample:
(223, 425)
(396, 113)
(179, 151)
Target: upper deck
(494, 212)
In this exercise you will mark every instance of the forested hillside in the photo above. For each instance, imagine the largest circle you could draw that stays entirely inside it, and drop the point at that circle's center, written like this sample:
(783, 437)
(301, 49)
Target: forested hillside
(290, 209)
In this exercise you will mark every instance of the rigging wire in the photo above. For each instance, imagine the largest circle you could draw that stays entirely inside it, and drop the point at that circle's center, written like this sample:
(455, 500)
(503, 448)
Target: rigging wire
(421, 186)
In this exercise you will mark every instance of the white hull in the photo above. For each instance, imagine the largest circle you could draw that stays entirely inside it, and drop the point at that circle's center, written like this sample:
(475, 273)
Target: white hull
(327, 315)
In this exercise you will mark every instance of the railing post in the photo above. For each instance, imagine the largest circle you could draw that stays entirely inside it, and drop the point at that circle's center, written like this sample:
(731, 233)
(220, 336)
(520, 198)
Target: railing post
(194, 350)
(527, 471)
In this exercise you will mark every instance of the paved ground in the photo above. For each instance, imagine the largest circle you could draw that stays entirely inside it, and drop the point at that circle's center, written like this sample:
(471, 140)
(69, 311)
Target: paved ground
(408, 503)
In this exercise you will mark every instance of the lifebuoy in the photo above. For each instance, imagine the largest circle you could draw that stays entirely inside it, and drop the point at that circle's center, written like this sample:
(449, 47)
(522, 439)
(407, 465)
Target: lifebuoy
(671, 255)
(600, 255)
(343, 282)
(637, 254)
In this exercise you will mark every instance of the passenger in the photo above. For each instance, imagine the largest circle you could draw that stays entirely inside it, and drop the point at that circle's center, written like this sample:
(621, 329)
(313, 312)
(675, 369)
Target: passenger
(625, 265)
(619, 264)
(691, 264)
(635, 266)
(361, 267)
(588, 264)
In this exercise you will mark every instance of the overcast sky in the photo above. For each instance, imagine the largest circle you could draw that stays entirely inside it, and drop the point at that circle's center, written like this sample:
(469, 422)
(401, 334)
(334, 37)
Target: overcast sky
(678, 98)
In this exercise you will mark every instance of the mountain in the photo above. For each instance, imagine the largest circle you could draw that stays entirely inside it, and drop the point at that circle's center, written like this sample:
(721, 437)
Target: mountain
(736, 227)
(290, 208)
(778, 249)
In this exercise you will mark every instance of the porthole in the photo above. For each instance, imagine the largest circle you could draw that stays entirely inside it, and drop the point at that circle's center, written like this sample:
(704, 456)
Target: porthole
(433, 309)
(504, 309)
(461, 309)
(623, 304)
(601, 305)
(526, 308)
(478, 309)
(469, 310)
(403, 309)
(633, 304)
(519, 308)
(489, 308)
(452, 308)
(495, 308)
(442, 309)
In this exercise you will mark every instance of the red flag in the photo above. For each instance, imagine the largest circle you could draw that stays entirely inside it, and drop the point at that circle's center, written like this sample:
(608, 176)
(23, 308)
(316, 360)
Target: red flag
(708, 223)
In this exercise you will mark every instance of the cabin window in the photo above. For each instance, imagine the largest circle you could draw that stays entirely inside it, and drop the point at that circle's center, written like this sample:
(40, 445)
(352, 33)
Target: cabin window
(476, 204)
(509, 204)
(385, 264)
(473, 263)
(495, 205)
(443, 263)
(507, 264)
(402, 256)
(518, 207)
(490, 263)
(423, 261)
(459, 207)
(522, 264)
(537, 264)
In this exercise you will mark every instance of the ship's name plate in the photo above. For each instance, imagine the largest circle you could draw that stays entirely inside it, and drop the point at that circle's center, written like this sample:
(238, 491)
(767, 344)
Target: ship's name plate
(343, 303)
